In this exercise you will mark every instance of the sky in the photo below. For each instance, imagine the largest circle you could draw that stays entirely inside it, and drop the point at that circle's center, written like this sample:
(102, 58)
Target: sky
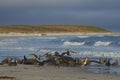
(100, 13)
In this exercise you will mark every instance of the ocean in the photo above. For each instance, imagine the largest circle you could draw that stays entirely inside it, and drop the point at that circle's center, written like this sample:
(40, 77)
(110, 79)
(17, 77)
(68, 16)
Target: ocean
(92, 46)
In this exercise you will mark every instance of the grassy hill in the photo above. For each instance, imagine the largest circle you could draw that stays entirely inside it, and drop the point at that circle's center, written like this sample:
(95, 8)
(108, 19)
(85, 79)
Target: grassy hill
(50, 28)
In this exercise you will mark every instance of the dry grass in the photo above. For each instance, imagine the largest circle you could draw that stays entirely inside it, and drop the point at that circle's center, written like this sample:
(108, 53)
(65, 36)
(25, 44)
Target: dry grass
(49, 28)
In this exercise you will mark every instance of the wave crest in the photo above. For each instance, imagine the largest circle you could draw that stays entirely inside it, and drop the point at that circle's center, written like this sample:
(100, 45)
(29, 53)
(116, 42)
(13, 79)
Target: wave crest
(100, 43)
(66, 43)
(99, 54)
(46, 38)
(83, 36)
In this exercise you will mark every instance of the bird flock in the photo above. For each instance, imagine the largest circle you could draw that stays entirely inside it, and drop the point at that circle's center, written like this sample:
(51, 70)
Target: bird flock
(58, 59)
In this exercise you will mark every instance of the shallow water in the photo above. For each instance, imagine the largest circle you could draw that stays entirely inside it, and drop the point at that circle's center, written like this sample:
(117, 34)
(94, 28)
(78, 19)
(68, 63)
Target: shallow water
(86, 46)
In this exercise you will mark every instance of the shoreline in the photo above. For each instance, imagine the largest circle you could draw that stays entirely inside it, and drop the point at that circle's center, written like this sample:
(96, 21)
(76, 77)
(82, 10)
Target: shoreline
(35, 72)
(55, 34)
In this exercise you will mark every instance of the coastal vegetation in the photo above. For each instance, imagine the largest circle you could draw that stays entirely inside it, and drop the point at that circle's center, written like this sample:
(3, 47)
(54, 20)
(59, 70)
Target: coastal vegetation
(50, 29)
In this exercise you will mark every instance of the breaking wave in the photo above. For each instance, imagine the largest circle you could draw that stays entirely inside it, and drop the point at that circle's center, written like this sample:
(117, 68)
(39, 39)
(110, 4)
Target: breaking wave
(5, 43)
(99, 54)
(83, 36)
(100, 43)
(46, 38)
(66, 43)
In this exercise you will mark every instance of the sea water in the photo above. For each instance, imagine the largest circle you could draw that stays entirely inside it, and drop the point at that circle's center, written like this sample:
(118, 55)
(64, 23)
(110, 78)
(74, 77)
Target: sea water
(92, 46)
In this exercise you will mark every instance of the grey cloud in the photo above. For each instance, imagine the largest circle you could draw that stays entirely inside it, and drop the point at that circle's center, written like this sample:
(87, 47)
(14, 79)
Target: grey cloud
(38, 2)
(104, 13)
(58, 16)
(62, 3)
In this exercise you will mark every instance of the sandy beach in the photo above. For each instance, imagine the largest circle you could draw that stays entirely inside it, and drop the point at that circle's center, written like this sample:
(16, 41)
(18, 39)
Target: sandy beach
(55, 34)
(35, 72)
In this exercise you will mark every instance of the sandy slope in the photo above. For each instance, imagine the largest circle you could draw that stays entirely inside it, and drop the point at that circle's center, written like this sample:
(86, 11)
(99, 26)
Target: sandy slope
(35, 72)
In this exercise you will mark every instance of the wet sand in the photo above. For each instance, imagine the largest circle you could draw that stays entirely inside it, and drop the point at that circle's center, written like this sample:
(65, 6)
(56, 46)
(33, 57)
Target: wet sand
(35, 72)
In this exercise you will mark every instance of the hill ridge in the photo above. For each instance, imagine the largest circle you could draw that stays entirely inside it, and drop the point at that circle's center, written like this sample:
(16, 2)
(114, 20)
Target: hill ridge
(50, 29)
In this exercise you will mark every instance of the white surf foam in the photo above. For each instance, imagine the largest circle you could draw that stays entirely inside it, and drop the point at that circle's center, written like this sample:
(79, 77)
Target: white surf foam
(6, 43)
(83, 36)
(100, 54)
(101, 43)
(67, 43)
(100, 35)
(46, 38)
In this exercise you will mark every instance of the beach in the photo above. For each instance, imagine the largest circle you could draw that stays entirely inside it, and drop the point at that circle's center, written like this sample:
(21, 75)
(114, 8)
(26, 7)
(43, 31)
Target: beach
(12, 46)
(56, 34)
(35, 72)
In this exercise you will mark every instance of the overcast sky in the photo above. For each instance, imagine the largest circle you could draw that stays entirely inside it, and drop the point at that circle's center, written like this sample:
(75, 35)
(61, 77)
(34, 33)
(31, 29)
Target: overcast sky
(101, 13)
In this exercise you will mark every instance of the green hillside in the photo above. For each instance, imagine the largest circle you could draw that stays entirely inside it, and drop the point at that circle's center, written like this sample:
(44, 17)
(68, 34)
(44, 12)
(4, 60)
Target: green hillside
(50, 28)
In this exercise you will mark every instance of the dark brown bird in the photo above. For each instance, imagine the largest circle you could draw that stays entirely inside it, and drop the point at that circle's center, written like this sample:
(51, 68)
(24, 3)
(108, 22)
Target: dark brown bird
(36, 57)
(115, 63)
(108, 63)
(13, 63)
